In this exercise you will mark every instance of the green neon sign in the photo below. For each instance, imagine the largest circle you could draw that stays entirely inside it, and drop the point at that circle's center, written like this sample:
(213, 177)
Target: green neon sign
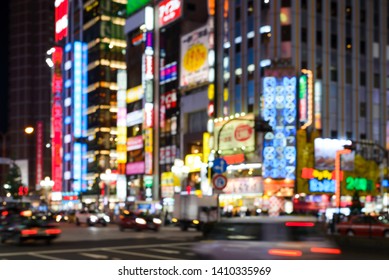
(359, 184)
(135, 5)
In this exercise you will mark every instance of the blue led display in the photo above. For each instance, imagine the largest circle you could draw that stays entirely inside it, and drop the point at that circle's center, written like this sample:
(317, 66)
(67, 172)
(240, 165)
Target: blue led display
(325, 185)
(279, 148)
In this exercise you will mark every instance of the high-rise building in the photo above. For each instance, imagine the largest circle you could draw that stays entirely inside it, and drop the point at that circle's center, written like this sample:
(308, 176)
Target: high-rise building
(312, 69)
(31, 35)
(90, 38)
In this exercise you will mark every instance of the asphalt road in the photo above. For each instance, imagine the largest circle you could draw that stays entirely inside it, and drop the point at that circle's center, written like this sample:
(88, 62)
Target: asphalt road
(108, 243)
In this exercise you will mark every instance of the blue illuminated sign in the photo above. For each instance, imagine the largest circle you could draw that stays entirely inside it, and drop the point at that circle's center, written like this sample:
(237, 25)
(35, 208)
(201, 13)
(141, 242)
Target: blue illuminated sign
(77, 165)
(325, 185)
(79, 103)
(279, 152)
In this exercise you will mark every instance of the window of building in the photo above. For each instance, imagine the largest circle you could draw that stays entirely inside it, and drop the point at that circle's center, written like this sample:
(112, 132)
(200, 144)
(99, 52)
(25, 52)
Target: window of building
(349, 13)
(286, 3)
(197, 121)
(319, 39)
(286, 33)
(362, 78)
(304, 35)
(319, 6)
(238, 98)
(349, 75)
(362, 47)
(362, 109)
(334, 41)
(334, 134)
(334, 9)
(237, 13)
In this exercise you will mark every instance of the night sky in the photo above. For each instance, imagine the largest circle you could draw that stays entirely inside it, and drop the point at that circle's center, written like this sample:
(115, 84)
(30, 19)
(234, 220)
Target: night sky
(4, 11)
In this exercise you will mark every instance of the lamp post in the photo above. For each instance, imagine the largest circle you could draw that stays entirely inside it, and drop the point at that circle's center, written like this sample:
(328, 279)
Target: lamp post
(47, 184)
(107, 178)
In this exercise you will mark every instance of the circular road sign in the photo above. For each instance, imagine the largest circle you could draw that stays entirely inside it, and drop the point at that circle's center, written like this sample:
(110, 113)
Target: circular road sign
(219, 181)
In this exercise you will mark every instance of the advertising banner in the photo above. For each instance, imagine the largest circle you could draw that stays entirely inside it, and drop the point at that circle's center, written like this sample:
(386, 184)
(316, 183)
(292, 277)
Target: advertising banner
(235, 135)
(244, 185)
(325, 153)
(279, 109)
(169, 11)
(194, 67)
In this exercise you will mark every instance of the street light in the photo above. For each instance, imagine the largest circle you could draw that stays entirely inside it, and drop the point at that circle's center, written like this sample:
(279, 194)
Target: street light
(107, 178)
(47, 184)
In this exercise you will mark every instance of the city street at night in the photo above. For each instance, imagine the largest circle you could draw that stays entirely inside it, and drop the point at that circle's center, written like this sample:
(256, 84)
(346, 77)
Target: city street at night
(108, 243)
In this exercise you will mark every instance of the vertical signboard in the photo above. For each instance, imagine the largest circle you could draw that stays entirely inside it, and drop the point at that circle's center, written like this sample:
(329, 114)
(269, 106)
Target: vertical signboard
(56, 120)
(79, 115)
(121, 147)
(194, 54)
(61, 19)
(39, 152)
(279, 152)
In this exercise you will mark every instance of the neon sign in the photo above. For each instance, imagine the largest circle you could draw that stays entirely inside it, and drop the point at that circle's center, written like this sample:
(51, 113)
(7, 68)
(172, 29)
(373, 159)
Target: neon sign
(61, 19)
(279, 152)
(169, 11)
(359, 184)
(325, 185)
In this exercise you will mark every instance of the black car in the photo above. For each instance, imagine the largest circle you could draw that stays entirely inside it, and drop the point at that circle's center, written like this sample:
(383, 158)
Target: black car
(24, 225)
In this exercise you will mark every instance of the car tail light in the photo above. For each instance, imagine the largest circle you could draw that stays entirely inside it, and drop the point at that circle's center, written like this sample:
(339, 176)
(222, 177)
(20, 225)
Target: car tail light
(334, 251)
(285, 253)
(299, 224)
(53, 231)
(4, 213)
(29, 231)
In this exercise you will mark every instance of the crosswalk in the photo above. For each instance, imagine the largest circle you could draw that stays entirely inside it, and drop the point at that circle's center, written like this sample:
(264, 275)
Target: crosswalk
(161, 251)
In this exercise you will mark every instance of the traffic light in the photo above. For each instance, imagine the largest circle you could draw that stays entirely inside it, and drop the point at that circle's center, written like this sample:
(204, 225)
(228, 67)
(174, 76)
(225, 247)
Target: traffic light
(261, 125)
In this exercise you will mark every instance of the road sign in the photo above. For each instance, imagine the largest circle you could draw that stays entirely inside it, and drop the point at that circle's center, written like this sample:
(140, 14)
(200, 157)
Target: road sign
(219, 181)
(219, 165)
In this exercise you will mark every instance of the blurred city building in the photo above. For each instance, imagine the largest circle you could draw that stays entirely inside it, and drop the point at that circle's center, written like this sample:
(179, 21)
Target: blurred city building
(30, 36)
(151, 98)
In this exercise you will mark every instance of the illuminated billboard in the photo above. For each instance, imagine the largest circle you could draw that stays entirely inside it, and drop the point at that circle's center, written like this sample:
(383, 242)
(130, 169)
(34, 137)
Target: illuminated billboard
(79, 115)
(56, 120)
(135, 5)
(169, 11)
(325, 154)
(194, 67)
(279, 152)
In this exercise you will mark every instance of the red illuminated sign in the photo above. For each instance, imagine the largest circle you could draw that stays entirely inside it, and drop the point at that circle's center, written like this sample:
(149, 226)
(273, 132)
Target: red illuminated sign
(243, 132)
(61, 19)
(56, 149)
(39, 152)
(57, 75)
(169, 11)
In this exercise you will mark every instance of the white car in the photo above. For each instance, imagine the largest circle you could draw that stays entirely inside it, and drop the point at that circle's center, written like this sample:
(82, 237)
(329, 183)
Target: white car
(91, 218)
(266, 238)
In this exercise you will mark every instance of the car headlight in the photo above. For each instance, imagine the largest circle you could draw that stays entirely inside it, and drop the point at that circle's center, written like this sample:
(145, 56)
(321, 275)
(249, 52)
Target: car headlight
(58, 218)
(106, 218)
(93, 218)
(157, 221)
(140, 221)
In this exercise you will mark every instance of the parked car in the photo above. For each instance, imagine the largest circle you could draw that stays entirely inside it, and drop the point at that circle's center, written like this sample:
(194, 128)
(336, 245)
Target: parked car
(24, 225)
(91, 218)
(267, 238)
(365, 225)
(138, 221)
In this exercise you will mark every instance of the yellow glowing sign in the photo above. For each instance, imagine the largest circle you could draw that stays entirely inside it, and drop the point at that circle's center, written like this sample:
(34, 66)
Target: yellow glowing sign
(134, 94)
(195, 57)
(211, 91)
(206, 148)
(193, 161)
